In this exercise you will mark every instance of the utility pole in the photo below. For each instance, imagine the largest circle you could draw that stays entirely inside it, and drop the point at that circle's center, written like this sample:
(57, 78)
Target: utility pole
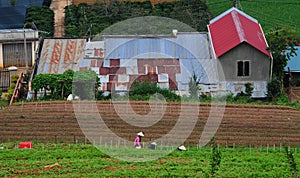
(25, 51)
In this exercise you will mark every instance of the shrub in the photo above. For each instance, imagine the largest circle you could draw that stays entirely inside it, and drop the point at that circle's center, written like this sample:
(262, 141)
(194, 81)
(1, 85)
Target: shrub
(193, 87)
(273, 89)
(249, 89)
(99, 95)
(144, 90)
(85, 84)
(291, 161)
(215, 157)
(11, 89)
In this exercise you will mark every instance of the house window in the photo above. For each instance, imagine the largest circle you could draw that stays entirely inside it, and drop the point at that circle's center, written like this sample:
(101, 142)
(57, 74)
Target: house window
(243, 68)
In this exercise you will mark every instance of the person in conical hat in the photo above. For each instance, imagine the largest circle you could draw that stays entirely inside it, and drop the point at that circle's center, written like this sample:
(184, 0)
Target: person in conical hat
(138, 140)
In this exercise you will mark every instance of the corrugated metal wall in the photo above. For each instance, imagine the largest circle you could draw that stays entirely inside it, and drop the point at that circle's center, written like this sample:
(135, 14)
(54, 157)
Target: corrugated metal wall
(14, 55)
(59, 55)
(192, 50)
(4, 79)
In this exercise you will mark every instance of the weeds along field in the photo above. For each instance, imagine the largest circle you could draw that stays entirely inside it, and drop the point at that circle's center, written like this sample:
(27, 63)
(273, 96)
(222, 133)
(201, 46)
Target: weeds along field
(79, 160)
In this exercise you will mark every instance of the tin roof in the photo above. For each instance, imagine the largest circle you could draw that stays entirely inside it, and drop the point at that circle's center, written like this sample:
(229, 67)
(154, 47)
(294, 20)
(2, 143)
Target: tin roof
(294, 62)
(59, 55)
(192, 49)
(234, 27)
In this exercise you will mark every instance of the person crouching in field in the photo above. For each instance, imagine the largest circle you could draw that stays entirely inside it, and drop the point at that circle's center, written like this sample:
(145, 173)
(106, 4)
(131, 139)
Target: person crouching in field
(138, 140)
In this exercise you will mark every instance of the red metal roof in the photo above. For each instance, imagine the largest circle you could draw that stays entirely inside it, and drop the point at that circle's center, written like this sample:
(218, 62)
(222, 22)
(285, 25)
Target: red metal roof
(234, 27)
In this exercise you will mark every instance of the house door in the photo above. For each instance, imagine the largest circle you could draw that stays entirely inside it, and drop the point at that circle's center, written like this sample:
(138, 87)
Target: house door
(14, 55)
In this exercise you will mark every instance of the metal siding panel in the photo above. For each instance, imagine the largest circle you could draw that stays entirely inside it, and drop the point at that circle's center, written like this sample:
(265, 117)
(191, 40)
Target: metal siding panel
(294, 63)
(96, 69)
(132, 71)
(59, 55)
(94, 49)
(193, 45)
(114, 63)
(4, 80)
(123, 78)
(14, 55)
(163, 78)
(104, 86)
(121, 86)
(164, 85)
(104, 78)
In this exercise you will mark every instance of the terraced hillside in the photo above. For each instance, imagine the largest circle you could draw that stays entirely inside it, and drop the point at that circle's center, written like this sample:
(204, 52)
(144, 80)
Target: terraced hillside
(241, 125)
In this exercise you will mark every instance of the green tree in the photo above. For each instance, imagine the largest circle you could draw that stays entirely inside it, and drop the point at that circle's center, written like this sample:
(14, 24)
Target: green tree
(83, 19)
(67, 79)
(59, 85)
(12, 2)
(193, 87)
(281, 45)
(43, 18)
(273, 89)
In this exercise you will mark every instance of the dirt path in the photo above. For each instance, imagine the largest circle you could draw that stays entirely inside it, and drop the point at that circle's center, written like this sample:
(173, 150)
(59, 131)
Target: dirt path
(59, 16)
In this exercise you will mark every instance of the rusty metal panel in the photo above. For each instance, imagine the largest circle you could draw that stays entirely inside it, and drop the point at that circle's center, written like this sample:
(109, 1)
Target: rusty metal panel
(104, 70)
(113, 78)
(121, 86)
(83, 68)
(187, 53)
(94, 49)
(14, 55)
(103, 86)
(59, 55)
(114, 62)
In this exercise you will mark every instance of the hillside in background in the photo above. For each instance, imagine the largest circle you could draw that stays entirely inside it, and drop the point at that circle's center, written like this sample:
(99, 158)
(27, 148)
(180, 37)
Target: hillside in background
(83, 19)
(269, 13)
(106, 1)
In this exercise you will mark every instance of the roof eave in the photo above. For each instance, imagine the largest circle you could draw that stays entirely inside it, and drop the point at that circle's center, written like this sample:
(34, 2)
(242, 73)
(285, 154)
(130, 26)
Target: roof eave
(229, 11)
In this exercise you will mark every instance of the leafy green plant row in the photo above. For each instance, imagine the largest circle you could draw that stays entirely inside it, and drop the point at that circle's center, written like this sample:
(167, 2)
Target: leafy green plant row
(87, 161)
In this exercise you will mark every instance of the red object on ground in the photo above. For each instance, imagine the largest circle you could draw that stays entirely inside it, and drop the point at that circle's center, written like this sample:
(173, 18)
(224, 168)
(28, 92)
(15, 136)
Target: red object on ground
(25, 144)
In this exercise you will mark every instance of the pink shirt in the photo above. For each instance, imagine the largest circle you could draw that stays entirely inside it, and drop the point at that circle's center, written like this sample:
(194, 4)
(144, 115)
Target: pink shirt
(137, 141)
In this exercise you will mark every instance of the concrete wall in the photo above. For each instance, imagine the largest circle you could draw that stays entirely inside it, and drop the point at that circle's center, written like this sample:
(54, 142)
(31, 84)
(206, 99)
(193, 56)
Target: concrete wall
(259, 64)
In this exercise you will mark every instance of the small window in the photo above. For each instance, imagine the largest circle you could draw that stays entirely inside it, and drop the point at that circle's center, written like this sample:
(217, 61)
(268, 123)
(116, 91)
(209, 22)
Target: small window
(243, 68)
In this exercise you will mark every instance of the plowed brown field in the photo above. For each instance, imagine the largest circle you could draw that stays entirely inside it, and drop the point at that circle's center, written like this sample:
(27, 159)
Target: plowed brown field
(241, 125)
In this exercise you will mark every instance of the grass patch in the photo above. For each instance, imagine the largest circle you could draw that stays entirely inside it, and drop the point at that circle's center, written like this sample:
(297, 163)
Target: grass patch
(87, 161)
